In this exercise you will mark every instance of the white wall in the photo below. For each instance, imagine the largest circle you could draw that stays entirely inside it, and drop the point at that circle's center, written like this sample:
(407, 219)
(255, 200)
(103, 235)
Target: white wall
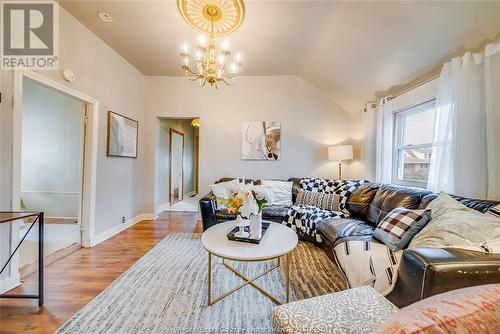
(104, 75)
(52, 124)
(183, 126)
(309, 123)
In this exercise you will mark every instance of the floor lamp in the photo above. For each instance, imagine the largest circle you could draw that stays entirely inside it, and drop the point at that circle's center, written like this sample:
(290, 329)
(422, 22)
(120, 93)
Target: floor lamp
(340, 153)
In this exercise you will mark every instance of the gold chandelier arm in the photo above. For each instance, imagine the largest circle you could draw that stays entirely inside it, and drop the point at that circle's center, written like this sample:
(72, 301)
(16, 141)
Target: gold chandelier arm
(192, 76)
(188, 70)
(227, 83)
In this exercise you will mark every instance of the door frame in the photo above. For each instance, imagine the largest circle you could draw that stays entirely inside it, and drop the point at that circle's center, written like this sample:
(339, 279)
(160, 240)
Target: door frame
(91, 123)
(170, 166)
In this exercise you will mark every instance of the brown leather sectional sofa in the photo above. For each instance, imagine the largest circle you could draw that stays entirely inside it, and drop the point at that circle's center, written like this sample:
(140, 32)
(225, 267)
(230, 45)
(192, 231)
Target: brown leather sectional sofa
(423, 272)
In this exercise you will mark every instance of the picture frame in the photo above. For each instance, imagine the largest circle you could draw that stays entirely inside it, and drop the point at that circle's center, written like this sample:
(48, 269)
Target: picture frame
(122, 136)
(261, 140)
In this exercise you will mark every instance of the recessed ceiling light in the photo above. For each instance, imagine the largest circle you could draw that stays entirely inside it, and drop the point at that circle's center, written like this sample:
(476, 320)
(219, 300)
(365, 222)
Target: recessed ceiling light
(105, 16)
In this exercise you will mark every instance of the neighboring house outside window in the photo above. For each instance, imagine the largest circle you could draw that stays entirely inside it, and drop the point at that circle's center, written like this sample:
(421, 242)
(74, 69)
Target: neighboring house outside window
(413, 132)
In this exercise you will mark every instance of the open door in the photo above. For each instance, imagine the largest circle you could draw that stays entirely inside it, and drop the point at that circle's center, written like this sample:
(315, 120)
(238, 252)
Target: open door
(176, 157)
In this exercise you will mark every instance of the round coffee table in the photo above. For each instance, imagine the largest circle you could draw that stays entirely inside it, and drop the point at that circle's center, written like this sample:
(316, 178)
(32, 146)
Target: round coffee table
(278, 241)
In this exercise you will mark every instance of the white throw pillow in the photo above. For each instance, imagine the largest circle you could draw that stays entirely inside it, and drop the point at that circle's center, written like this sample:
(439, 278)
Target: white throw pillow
(224, 189)
(453, 224)
(281, 192)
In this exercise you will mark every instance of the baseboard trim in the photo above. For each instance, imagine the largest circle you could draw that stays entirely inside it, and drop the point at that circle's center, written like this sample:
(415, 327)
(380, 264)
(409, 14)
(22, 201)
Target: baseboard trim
(119, 228)
(162, 207)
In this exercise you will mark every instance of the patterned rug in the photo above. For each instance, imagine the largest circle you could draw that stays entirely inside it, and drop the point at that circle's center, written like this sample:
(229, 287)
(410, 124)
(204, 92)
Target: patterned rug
(166, 292)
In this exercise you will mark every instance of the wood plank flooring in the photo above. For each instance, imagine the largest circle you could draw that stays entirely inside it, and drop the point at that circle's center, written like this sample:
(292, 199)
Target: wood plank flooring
(73, 281)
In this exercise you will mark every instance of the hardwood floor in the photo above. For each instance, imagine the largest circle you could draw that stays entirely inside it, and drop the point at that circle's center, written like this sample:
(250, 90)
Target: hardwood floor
(73, 281)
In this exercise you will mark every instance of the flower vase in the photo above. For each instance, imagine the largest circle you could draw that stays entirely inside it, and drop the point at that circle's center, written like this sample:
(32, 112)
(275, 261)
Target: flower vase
(256, 226)
(242, 223)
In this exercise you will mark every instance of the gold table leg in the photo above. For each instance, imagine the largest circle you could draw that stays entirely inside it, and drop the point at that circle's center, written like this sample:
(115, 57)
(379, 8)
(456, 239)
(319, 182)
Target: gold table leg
(209, 278)
(248, 281)
(287, 279)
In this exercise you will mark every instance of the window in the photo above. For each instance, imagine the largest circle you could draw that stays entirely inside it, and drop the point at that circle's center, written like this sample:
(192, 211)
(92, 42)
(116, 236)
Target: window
(413, 144)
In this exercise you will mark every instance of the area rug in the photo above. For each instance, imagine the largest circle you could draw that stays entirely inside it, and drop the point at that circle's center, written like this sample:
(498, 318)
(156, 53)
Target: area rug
(166, 292)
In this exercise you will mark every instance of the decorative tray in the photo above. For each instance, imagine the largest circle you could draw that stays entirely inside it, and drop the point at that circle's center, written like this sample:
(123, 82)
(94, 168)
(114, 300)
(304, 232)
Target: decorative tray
(232, 237)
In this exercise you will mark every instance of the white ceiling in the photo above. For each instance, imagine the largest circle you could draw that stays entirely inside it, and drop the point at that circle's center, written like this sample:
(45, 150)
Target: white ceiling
(348, 50)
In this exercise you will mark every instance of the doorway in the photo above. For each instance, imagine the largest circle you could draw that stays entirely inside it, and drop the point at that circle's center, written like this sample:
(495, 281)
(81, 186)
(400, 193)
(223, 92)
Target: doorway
(176, 188)
(177, 165)
(52, 169)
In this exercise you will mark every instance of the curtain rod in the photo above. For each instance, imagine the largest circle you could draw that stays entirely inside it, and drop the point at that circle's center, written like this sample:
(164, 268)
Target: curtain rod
(413, 87)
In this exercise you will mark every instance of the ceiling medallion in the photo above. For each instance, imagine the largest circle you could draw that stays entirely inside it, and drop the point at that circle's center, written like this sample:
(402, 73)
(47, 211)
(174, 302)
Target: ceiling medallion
(213, 18)
(216, 17)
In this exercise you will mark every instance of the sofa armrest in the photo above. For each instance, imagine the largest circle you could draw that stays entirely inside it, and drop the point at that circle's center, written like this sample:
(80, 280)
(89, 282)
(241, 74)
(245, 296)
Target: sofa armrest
(424, 272)
(207, 209)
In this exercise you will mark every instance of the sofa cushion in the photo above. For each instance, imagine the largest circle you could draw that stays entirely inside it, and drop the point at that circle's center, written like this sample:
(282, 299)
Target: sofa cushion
(360, 199)
(359, 310)
(295, 188)
(399, 226)
(307, 197)
(226, 179)
(389, 197)
(337, 228)
(480, 205)
(276, 212)
(223, 215)
(280, 191)
(453, 224)
(469, 310)
(223, 190)
(330, 202)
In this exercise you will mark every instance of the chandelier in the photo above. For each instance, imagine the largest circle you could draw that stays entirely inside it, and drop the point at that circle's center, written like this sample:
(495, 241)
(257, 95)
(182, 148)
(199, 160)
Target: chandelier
(212, 18)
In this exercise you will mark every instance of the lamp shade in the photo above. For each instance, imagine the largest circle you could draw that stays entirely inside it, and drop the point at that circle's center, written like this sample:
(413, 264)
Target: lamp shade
(340, 152)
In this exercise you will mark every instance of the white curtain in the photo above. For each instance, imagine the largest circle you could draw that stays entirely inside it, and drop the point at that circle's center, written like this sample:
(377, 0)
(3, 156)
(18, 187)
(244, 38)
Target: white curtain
(466, 154)
(369, 121)
(384, 148)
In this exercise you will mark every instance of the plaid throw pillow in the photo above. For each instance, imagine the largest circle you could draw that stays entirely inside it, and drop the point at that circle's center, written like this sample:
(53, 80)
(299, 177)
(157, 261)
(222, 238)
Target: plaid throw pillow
(399, 226)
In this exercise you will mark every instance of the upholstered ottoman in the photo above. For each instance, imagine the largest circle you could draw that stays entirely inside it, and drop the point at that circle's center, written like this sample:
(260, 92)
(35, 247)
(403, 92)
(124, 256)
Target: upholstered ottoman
(359, 310)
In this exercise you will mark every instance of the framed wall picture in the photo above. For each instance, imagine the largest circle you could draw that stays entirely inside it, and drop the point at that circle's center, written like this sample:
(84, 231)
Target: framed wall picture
(261, 140)
(122, 136)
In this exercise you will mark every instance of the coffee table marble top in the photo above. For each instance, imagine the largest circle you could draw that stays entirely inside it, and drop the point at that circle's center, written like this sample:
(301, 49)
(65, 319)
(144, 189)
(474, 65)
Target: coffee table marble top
(277, 241)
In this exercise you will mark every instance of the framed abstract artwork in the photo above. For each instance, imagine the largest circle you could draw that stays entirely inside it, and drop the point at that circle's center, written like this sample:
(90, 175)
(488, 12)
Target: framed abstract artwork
(122, 136)
(261, 140)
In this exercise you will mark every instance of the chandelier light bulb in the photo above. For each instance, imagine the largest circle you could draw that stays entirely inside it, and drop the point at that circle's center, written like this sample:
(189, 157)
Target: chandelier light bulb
(211, 63)
(202, 40)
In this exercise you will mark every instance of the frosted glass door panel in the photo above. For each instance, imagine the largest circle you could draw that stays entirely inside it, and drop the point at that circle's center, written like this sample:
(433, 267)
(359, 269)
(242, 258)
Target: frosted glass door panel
(52, 134)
